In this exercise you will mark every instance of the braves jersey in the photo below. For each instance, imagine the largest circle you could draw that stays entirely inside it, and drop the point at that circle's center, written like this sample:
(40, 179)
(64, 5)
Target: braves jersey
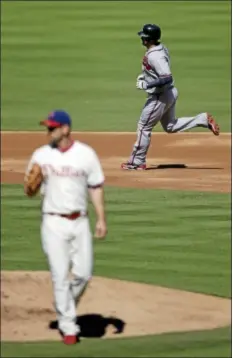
(155, 64)
(67, 175)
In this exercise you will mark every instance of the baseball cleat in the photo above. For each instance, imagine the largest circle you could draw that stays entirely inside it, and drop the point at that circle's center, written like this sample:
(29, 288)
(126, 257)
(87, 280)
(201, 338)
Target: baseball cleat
(69, 340)
(213, 126)
(131, 166)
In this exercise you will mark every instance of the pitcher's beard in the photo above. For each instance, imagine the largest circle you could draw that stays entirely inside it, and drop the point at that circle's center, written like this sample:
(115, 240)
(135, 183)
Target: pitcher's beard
(53, 143)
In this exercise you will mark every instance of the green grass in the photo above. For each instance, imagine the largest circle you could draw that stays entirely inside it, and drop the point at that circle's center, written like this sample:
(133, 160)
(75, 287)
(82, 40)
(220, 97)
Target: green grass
(211, 344)
(174, 239)
(85, 56)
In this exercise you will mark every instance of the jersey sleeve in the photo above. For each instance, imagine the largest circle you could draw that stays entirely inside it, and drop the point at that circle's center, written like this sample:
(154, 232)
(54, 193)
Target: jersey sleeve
(95, 176)
(160, 64)
(35, 159)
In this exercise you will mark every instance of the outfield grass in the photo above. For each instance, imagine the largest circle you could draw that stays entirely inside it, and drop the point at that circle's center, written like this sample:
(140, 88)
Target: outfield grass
(173, 239)
(85, 56)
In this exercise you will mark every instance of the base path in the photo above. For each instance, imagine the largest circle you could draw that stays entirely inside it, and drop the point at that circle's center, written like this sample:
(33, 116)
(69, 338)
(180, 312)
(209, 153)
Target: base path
(109, 308)
(193, 161)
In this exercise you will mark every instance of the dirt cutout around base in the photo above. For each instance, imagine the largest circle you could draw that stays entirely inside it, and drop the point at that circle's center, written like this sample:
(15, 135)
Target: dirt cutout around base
(109, 308)
(184, 161)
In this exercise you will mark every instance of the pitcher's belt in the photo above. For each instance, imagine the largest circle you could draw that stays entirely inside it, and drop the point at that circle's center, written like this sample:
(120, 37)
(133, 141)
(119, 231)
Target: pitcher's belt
(71, 216)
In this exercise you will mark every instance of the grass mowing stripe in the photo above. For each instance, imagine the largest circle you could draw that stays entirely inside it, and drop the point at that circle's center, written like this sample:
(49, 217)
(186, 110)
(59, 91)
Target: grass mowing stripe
(215, 343)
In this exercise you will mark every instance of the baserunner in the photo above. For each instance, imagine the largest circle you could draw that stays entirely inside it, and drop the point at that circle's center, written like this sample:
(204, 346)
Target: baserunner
(157, 81)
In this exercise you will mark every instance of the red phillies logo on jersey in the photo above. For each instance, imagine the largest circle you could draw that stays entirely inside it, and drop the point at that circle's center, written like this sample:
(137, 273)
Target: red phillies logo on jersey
(146, 64)
(63, 171)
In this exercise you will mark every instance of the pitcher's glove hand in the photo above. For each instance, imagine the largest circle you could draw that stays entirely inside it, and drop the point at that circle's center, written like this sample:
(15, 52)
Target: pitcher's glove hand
(33, 180)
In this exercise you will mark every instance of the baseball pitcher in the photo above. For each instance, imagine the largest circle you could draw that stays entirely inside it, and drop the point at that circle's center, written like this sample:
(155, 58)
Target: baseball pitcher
(157, 81)
(65, 171)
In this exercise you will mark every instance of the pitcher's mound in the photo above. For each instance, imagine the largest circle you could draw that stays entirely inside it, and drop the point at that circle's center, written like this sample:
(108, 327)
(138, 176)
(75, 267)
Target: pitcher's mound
(109, 308)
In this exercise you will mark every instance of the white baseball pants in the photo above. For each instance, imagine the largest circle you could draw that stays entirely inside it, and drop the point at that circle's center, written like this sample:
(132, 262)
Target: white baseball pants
(67, 245)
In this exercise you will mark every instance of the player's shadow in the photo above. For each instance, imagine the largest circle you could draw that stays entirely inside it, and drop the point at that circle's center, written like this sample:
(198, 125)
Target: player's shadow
(180, 166)
(95, 325)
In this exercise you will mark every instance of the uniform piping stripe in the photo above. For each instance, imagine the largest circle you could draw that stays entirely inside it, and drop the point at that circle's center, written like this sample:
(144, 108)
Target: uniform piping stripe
(96, 186)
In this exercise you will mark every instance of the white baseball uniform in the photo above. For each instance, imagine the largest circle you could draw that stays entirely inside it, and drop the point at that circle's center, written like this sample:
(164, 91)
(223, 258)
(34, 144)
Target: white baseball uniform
(67, 243)
(160, 104)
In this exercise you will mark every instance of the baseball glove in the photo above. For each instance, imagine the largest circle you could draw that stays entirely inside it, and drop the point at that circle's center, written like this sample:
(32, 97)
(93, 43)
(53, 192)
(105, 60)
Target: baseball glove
(33, 180)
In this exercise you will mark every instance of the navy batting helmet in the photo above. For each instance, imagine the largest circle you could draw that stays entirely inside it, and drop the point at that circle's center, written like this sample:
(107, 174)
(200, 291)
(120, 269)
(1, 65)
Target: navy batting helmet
(150, 32)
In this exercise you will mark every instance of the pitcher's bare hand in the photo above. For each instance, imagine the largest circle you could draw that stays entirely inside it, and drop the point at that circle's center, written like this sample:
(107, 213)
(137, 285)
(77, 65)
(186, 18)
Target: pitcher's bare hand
(100, 229)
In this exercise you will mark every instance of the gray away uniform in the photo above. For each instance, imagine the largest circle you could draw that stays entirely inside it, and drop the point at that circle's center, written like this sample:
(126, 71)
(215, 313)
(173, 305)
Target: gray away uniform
(160, 105)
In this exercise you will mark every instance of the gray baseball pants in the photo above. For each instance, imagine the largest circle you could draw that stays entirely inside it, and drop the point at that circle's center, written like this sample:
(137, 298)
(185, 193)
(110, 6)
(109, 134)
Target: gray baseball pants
(161, 108)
